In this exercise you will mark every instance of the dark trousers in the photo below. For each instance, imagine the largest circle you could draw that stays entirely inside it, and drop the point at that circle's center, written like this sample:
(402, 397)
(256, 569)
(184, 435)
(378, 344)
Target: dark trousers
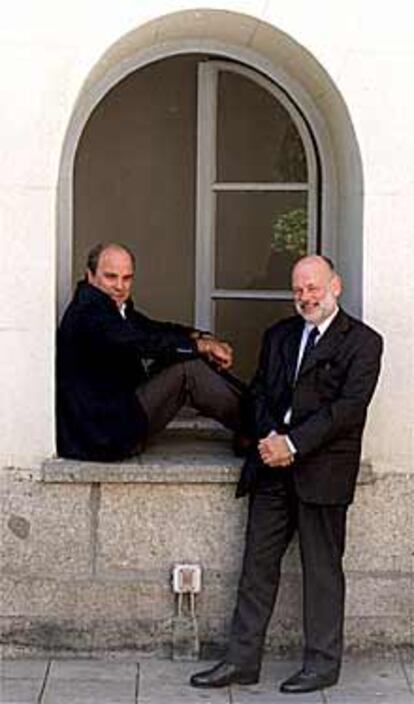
(275, 513)
(196, 384)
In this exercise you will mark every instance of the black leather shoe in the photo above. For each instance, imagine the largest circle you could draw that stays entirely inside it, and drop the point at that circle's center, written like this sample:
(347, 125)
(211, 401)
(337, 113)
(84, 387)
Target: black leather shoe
(223, 674)
(308, 681)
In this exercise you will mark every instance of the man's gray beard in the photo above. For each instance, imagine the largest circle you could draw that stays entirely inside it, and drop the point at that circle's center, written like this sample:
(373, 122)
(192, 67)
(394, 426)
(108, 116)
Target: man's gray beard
(323, 311)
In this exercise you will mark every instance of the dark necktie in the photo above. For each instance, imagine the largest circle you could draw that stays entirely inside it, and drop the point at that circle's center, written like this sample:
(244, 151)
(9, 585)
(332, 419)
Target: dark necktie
(310, 344)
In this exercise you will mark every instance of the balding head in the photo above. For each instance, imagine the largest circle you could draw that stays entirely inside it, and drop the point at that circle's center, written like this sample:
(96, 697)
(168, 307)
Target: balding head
(111, 269)
(316, 262)
(316, 288)
(100, 248)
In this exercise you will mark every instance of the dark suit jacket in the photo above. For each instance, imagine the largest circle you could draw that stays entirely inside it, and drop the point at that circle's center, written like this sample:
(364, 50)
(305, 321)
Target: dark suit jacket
(329, 402)
(99, 367)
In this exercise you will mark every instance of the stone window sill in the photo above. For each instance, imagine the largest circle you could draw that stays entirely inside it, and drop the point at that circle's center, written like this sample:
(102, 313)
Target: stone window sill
(198, 457)
(168, 463)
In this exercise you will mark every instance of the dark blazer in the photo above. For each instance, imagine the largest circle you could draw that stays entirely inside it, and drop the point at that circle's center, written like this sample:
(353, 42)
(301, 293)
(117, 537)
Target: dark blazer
(329, 403)
(99, 367)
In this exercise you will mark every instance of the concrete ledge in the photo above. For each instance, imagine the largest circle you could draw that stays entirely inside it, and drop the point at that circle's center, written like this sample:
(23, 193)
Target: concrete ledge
(170, 463)
(176, 459)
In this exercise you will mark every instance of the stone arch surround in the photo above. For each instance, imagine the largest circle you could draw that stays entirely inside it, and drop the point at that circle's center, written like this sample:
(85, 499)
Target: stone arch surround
(272, 52)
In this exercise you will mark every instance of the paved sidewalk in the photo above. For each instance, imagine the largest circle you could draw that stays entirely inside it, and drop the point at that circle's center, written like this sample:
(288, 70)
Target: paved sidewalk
(386, 679)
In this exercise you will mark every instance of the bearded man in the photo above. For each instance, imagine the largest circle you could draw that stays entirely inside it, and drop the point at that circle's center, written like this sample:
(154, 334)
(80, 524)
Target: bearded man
(316, 376)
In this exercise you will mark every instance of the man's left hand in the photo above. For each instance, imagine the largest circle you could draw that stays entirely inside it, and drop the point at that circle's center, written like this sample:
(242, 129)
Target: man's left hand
(221, 353)
(274, 451)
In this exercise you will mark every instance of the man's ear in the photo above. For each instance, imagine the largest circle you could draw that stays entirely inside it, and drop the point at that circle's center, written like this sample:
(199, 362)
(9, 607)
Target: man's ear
(89, 276)
(336, 285)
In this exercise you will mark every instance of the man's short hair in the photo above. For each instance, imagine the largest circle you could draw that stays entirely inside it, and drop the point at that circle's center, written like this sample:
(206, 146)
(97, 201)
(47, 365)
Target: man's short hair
(96, 251)
(329, 262)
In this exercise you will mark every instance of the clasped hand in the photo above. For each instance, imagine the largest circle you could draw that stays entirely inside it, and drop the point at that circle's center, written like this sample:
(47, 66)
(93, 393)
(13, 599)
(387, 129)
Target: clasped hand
(274, 451)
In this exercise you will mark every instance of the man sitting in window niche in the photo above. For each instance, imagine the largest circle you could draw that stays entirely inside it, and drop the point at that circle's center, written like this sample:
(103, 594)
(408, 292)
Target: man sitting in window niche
(109, 400)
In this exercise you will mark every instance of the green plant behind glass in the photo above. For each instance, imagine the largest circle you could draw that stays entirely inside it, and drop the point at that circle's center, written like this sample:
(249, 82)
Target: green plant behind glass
(290, 233)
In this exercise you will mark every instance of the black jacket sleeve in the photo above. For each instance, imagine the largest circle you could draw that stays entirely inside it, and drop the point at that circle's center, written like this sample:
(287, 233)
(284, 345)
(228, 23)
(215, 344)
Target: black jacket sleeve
(148, 337)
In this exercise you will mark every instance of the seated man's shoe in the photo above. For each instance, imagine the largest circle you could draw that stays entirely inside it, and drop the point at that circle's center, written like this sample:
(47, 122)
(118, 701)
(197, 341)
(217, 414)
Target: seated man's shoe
(224, 674)
(308, 681)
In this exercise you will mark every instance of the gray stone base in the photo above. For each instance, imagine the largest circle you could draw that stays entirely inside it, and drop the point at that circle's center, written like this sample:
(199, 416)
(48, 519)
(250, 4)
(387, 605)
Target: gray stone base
(87, 552)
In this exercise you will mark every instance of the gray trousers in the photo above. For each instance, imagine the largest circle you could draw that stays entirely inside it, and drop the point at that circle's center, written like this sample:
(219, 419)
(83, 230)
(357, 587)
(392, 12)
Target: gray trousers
(192, 383)
(275, 514)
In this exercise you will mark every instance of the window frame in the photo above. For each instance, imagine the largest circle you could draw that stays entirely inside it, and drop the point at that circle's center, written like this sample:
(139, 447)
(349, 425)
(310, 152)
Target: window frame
(206, 294)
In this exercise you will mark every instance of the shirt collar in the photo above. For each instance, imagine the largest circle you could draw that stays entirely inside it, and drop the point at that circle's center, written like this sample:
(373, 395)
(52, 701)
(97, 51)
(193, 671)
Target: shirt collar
(322, 327)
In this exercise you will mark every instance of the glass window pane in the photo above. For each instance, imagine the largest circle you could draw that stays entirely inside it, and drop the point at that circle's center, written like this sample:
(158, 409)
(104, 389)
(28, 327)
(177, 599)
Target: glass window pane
(258, 237)
(243, 322)
(137, 151)
(256, 137)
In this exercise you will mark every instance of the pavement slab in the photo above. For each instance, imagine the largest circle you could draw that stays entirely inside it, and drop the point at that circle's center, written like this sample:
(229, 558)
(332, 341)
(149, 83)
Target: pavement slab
(407, 660)
(168, 682)
(23, 669)
(19, 691)
(102, 681)
(267, 690)
(95, 670)
(382, 678)
(369, 698)
(22, 681)
(147, 680)
(265, 695)
(89, 692)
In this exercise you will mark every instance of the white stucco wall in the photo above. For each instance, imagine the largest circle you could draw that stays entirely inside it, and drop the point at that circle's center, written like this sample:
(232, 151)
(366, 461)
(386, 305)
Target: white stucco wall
(47, 51)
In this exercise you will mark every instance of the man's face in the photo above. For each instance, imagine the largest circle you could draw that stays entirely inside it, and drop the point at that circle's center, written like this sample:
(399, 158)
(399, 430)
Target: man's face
(315, 290)
(114, 274)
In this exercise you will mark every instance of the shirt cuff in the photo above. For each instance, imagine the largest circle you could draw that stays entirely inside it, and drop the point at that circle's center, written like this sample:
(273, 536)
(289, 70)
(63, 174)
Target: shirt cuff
(290, 445)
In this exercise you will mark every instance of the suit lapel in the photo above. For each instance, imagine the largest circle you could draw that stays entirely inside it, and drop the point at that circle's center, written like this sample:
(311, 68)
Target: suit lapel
(329, 342)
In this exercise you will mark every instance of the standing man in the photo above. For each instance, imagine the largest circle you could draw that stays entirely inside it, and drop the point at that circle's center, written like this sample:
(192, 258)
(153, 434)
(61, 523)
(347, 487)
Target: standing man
(316, 376)
(122, 376)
